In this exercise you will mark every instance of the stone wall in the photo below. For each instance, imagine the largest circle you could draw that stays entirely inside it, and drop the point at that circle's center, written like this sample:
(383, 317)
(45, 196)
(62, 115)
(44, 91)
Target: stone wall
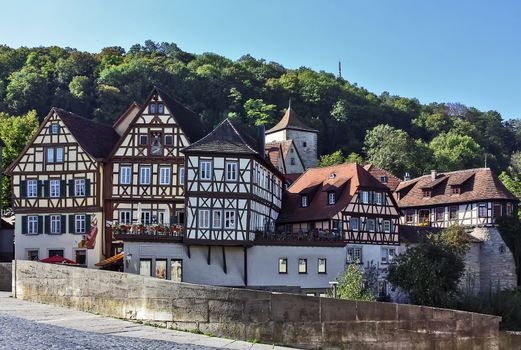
(5, 276)
(294, 320)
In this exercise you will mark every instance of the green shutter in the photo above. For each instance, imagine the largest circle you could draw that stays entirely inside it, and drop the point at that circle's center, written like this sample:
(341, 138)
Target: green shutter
(63, 223)
(25, 229)
(40, 224)
(71, 188)
(63, 188)
(47, 224)
(87, 222)
(23, 189)
(71, 224)
(87, 187)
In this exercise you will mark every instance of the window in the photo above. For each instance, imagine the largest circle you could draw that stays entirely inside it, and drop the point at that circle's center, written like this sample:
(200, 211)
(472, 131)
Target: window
(55, 252)
(146, 217)
(304, 144)
(387, 226)
(50, 155)
(388, 255)
(424, 216)
(55, 128)
(125, 217)
(79, 224)
(231, 171)
(160, 108)
(283, 265)
(144, 175)
(55, 155)
(371, 225)
(165, 176)
(365, 197)
(125, 175)
(32, 225)
(497, 210)
(378, 198)
(354, 255)
(453, 213)
(32, 254)
(335, 224)
(79, 187)
(143, 140)
(161, 268)
(59, 154)
(322, 265)
(176, 270)
(409, 216)
(331, 198)
(181, 175)
(169, 140)
(56, 224)
(426, 193)
(354, 223)
(204, 218)
(482, 210)
(152, 108)
(145, 267)
(456, 190)
(304, 201)
(292, 161)
(302, 266)
(509, 209)
(54, 188)
(32, 188)
(440, 214)
(81, 256)
(217, 219)
(229, 219)
(205, 169)
(383, 179)
(156, 147)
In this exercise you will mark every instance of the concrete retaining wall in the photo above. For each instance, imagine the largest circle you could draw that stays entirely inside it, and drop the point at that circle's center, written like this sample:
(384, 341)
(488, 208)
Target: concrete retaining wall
(5, 276)
(307, 322)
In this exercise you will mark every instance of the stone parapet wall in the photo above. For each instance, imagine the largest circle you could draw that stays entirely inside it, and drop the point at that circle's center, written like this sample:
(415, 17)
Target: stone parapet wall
(5, 276)
(294, 320)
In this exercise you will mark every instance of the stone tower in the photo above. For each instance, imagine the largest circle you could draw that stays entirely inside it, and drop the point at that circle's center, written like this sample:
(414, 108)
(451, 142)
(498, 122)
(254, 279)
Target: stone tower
(304, 137)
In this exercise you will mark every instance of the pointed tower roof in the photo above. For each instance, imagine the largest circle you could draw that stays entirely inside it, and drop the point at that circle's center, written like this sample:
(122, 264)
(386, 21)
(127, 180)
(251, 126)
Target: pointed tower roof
(290, 121)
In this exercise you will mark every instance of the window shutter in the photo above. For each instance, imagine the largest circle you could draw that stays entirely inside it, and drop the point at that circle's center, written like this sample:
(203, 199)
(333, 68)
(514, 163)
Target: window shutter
(50, 128)
(63, 188)
(71, 188)
(87, 187)
(23, 189)
(25, 229)
(40, 224)
(71, 224)
(39, 186)
(63, 229)
(46, 189)
(87, 223)
(47, 220)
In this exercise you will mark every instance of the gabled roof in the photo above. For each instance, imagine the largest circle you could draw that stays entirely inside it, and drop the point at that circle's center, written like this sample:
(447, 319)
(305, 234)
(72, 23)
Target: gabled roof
(95, 138)
(276, 150)
(290, 121)
(134, 105)
(343, 179)
(476, 185)
(377, 173)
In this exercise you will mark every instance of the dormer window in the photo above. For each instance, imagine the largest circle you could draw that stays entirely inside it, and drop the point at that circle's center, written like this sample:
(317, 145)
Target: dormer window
(427, 193)
(383, 179)
(160, 108)
(304, 201)
(156, 147)
(332, 175)
(456, 190)
(331, 198)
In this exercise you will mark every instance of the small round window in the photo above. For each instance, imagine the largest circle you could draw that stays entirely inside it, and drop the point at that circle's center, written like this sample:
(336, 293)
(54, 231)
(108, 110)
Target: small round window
(332, 175)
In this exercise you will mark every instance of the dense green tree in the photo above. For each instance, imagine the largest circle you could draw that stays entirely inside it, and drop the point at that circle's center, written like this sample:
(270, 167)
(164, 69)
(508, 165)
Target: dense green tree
(259, 113)
(454, 152)
(352, 285)
(331, 159)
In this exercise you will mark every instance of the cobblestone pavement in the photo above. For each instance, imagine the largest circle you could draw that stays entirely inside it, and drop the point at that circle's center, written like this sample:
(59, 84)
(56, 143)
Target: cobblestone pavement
(28, 325)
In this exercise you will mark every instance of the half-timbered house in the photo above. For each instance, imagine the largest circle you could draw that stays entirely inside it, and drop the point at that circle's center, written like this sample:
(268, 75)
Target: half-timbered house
(144, 174)
(57, 184)
(285, 157)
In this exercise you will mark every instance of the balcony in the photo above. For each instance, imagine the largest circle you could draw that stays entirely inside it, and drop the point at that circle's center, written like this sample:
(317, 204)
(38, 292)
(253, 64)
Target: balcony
(148, 233)
(315, 237)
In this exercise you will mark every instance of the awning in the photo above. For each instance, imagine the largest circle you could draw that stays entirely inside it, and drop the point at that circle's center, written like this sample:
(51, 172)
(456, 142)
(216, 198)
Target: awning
(112, 260)
(59, 260)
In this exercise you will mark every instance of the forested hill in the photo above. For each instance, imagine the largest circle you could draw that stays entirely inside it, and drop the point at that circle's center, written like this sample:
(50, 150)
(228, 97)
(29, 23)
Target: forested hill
(102, 85)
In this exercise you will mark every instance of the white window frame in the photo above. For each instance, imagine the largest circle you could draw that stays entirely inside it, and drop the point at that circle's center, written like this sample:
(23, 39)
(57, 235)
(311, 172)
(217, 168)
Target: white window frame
(302, 268)
(54, 188)
(203, 218)
(232, 168)
(55, 225)
(230, 219)
(32, 188)
(365, 197)
(165, 175)
(59, 155)
(125, 175)
(79, 188)
(205, 170)
(145, 174)
(217, 218)
(378, 198)
(485, 206)
(125, 217)
(50, 155)
(283, 266)
(181, 175)
(80, 223)
(331, 198)
(55, 128)
(32, 225)
(324, 265)
(353, 220)
(368, 220)
(386, 224)
(354, 255)
(304, 201)
(387, 255)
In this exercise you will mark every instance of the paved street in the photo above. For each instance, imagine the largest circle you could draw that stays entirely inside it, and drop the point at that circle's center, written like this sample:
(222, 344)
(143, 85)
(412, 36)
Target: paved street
(27, 325)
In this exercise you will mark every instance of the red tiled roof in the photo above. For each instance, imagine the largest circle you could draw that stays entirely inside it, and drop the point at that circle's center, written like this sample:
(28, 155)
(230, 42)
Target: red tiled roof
(290, 121)
(476, 185)
(392, 181)
(316, 182)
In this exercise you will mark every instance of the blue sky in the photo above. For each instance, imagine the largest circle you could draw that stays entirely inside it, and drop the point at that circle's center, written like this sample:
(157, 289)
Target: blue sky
(437, 51)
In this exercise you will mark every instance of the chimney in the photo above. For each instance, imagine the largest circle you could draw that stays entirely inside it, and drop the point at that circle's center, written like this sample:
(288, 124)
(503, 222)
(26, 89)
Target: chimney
(433, 175)
(407, 177)
(261, 139)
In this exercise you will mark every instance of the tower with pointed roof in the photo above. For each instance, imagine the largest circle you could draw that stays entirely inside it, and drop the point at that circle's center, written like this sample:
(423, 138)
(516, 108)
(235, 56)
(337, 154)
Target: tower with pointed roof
(290, 127)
